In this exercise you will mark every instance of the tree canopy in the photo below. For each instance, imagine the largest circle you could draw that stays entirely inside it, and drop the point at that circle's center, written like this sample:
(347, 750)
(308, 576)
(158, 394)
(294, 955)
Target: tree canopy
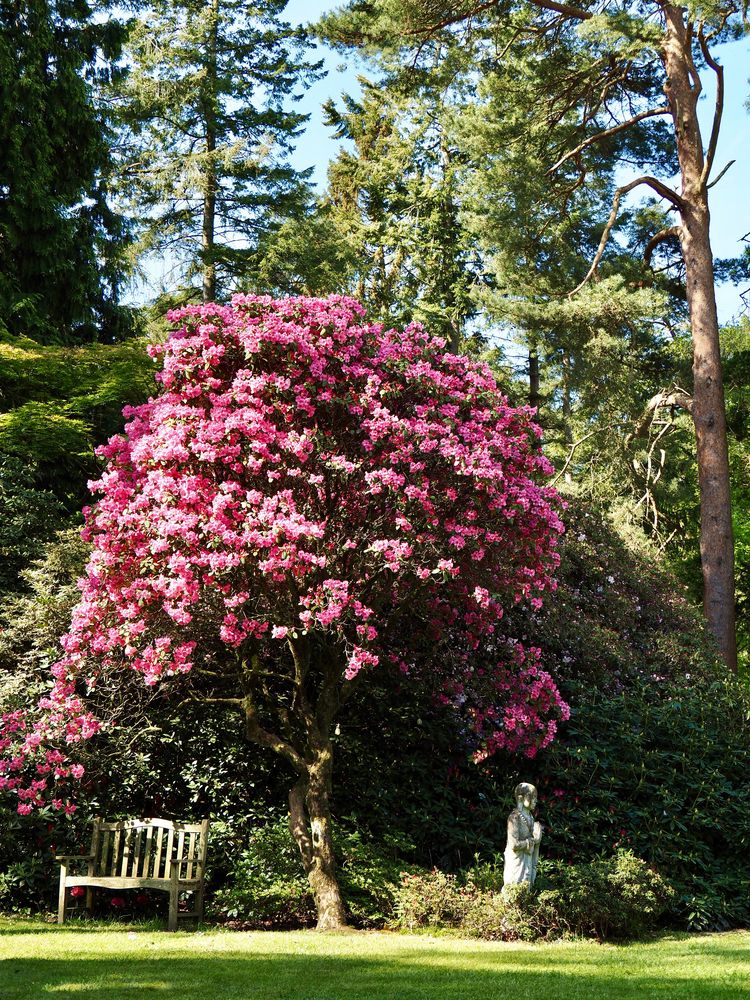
(308, 495)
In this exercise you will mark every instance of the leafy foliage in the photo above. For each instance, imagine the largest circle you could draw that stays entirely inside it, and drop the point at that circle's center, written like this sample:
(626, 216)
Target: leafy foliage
(615, 897)
(61, 243)
(58, 403)
(30, 516)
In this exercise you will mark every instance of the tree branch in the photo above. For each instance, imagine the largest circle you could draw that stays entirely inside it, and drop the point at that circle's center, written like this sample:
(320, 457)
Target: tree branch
(452, 19)
(718, 108)
(661, 189)
(721, 174)
(656, 239)
(271, 741)
(606, 133)
(563, 8)
(665, 397)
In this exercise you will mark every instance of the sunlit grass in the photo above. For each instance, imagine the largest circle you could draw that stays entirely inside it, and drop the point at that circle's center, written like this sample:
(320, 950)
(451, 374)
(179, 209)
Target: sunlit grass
(113, 962)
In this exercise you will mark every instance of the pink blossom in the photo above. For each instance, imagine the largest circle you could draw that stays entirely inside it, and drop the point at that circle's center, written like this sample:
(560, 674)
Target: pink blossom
(302, 465)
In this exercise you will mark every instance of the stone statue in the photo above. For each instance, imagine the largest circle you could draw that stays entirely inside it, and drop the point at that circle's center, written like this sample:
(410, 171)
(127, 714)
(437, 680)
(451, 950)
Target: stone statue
(524, 837)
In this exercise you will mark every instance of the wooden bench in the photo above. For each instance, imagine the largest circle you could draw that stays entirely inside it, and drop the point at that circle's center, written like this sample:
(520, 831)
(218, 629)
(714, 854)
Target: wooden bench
(141, 854)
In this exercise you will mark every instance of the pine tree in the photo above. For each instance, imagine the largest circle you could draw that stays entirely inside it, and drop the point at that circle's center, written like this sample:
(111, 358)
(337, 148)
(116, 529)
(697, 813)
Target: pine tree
(207, 132)
(627, 58)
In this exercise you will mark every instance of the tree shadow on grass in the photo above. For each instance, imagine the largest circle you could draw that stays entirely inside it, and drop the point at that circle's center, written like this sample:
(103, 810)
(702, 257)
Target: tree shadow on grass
(436, 973)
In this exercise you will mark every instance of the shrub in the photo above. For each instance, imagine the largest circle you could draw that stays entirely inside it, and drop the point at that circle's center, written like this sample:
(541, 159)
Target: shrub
(659, 768)
(431, 899)
(617, 897)
(609, 898)
(269, 887)
(370, 874)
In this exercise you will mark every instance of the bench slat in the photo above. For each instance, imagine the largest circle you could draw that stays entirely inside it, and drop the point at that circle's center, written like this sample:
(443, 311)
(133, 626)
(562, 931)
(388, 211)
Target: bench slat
(157, 856)
(100, 864)
(137, 841)
(168, 853)
(191, 854)
(180, 853)
(115, 849)
(147, 853)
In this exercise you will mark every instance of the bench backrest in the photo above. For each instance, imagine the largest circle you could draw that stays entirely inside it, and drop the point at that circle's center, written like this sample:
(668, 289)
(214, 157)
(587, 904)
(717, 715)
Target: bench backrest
(146, 848)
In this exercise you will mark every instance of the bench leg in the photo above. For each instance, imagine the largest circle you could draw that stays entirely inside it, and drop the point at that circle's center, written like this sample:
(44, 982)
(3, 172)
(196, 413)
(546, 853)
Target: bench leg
(174, 899)
(61, 898)
(90, 902)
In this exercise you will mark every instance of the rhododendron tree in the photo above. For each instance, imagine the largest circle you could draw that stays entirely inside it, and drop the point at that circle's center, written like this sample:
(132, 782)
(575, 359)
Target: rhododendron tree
(309, 497)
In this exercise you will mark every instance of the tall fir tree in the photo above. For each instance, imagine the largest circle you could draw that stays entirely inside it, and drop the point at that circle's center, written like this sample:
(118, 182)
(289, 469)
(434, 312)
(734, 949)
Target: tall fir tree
(208, 131)
(61, 244)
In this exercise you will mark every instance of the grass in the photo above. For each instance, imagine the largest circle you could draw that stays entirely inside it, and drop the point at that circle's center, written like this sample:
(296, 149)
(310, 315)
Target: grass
(38, 960)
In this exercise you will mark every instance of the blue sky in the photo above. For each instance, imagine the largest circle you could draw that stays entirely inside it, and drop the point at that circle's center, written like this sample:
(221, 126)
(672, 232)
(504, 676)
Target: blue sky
(730, 201)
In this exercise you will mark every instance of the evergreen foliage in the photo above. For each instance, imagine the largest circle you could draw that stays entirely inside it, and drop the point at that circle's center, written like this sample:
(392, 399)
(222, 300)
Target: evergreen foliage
(61, 243)
(207, 132)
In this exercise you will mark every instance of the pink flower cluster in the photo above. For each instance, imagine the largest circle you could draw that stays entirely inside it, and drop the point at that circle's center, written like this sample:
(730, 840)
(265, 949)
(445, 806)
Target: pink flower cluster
(524, 713)
(303, 472)
(29, 768)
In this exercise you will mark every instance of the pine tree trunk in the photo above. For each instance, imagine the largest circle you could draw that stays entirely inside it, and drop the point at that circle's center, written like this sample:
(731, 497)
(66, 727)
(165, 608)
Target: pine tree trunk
(534, 398)
(209, 194)
(716, 540)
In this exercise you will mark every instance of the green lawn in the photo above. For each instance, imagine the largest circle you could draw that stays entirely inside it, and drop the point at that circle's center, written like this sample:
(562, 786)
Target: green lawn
(38, 960)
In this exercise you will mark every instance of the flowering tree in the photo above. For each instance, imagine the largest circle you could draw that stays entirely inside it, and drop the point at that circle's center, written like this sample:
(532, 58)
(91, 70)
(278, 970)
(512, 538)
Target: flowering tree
(308, 497)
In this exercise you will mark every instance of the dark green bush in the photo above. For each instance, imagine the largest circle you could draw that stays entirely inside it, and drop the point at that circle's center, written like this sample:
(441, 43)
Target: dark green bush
(660, 768)
(270, 889)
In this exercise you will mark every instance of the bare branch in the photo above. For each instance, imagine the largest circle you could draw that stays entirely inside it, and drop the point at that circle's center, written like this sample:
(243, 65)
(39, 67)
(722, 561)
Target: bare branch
(606, 133)
(657, 238)
(717, 179)
(661, 189)
(718, 107)
(674, 397)
(576, 445)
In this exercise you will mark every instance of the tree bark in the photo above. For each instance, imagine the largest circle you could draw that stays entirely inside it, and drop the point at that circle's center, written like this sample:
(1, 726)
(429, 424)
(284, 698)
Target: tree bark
(534, 397)
(311, 827)
(209, 194)
(709, 415)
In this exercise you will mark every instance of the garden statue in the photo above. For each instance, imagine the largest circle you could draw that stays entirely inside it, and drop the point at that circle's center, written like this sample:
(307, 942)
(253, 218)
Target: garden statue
(524, 837)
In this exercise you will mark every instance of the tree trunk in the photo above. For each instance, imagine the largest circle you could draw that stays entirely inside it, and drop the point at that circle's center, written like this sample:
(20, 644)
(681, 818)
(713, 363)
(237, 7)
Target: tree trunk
(716, 540)
(534, 398)
(567, 408)
(310, 825)
(209, 194)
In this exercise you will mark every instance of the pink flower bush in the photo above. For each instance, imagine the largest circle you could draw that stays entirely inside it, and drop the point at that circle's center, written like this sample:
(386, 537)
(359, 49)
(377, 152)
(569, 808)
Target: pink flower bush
(305, 477)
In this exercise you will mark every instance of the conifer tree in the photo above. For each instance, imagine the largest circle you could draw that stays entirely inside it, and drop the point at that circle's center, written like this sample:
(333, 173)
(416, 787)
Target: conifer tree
(61, 244)
(634, 66)
(208, 132)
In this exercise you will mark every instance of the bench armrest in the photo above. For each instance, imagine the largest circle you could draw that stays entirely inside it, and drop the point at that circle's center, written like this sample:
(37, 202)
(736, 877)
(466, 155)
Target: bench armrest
(73, 857)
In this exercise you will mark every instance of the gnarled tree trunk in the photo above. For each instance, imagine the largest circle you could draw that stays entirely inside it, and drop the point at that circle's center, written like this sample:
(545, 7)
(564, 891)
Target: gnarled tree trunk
(310, 825)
